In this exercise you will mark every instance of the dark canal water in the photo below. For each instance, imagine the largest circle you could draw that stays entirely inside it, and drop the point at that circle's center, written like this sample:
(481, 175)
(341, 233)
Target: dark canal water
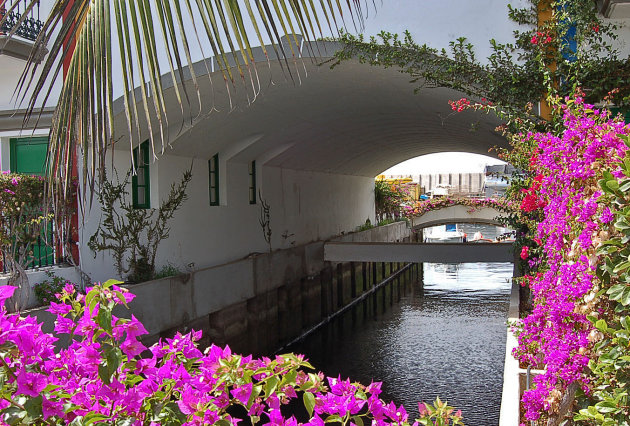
(446, 338)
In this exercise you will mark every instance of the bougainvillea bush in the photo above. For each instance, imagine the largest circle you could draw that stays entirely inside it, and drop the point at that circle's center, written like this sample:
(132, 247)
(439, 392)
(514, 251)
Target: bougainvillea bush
(102, 378)
(578, 329)
(22, 220)
(389, 198)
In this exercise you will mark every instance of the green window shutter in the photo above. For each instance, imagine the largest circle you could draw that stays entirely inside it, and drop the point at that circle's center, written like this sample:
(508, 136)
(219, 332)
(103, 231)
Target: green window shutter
(28, 155)
(252, 182)
(140, 182)
(213, 180)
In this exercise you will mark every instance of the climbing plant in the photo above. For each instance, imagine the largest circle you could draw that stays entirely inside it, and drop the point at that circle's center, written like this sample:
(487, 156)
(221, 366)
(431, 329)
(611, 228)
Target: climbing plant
(389, 199)
(133, 235)
(577, 272)
(574, 49)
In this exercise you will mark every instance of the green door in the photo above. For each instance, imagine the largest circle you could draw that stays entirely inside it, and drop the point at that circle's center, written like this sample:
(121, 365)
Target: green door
(28, 156)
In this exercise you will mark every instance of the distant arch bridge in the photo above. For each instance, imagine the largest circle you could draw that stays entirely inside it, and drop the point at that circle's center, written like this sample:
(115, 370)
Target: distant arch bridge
(458, 213)
(429, 252)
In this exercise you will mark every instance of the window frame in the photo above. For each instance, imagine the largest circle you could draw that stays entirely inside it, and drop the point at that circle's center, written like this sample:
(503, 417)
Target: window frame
(142, 151)
(252, 182)
(213, 181)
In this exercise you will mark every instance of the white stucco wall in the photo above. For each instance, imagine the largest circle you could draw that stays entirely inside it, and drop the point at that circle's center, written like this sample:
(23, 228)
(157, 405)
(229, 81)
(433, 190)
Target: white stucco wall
(305, 206)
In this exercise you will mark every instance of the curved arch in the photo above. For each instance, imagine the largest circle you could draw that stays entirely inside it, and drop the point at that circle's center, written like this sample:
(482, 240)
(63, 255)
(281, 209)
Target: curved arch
(354, 119)
(457, 214)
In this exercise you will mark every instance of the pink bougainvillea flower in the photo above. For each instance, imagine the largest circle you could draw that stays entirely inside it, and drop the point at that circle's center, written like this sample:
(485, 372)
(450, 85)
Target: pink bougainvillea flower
(524, 252)
(6, 292)
(30, 384)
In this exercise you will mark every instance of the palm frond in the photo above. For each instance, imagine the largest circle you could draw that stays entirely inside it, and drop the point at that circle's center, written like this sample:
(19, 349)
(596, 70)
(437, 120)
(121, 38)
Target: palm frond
(152, 34)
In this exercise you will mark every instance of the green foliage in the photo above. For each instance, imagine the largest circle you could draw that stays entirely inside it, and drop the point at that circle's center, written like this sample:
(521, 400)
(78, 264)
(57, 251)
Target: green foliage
(439, 414)
(167, 270)
(610, 367)
(23, 214)
(135, 232)
(389, 199)
(515, 74)
(23, 217)
(47, 290)
(367, 225)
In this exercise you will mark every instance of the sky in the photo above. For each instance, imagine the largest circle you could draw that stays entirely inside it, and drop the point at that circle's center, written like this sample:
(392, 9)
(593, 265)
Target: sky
(443, 162)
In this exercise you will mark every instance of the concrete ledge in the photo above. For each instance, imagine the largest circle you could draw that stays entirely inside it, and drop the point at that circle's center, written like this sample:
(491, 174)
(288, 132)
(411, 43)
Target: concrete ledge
(19, 48)
(38, 275)
(510, 399)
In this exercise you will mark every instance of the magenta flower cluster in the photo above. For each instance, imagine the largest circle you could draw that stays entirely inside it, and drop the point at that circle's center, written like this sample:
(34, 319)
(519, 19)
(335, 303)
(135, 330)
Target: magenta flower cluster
(557, 336)
(100, 376)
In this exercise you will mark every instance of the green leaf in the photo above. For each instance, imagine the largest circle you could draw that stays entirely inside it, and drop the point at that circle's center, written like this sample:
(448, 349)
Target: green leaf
(104, 319)
(606, 407)
(625, 322)
(612, 184)
(621, 267)
(601, 325)
(625, 296)
(309, 402)
(272, 384)
(109, 283)
(616, 291)
(357, 420)
(33, 407)
(91, 418)
(103, 374)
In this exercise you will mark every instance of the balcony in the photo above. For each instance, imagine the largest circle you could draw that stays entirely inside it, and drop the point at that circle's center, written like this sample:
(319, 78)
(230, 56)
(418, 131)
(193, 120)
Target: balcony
(28, 28)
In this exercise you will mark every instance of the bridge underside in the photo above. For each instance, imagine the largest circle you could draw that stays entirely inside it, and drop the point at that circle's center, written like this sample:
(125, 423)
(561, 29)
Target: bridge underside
(418, 252)
(353, 120)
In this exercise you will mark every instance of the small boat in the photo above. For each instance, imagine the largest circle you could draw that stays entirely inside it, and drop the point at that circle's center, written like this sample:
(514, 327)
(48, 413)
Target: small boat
(449, 233)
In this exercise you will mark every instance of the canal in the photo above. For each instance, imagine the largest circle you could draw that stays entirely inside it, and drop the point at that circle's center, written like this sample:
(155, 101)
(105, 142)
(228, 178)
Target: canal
(444, 336)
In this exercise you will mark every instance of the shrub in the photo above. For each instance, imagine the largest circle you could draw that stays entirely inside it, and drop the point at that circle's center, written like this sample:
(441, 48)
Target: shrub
(167, 270)
(47, 290)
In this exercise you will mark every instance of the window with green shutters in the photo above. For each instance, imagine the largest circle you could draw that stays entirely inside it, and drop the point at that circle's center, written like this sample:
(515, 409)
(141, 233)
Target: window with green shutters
(252, 182)
(213, 176)
(140, 189)
(28, 155)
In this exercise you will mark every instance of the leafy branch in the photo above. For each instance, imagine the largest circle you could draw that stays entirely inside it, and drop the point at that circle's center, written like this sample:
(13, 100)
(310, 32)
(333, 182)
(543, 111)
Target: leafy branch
(125, 230)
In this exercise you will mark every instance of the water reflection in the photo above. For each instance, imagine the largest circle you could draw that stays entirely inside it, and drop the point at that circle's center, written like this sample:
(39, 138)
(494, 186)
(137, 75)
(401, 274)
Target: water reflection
(445, 338)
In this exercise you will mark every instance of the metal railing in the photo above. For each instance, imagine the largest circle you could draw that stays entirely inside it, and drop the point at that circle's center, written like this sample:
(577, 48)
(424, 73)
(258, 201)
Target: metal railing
(28, 27)
(43, 252)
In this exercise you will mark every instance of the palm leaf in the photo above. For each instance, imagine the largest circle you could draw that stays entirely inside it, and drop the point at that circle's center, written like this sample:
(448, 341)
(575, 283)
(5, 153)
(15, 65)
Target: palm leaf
(83, 123)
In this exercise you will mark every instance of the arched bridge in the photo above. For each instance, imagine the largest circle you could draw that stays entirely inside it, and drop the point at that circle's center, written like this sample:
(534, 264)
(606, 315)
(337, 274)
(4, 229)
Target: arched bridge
(457, 214)
(429, 252)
